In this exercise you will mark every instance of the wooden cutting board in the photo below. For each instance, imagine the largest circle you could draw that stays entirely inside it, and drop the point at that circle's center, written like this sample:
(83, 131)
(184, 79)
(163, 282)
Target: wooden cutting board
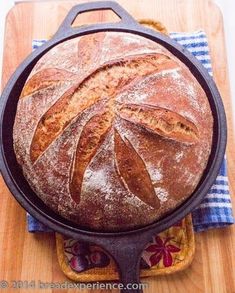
(24, 256)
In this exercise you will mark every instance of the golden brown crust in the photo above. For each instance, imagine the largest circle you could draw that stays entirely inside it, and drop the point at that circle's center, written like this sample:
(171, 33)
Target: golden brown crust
(112, 131)
(91, 138)
(44, 79)
(161, 121)
(88, 91)
(87, 56)
(132, 171)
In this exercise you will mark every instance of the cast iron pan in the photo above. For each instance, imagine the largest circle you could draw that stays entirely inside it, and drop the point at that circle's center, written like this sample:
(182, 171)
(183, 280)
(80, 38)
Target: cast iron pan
(124, 247)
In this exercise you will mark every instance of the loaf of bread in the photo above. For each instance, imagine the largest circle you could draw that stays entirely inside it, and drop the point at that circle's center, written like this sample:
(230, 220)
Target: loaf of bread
(112, 131)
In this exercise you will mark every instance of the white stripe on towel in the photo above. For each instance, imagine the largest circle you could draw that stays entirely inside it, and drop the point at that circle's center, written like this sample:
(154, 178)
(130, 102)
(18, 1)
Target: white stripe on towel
(224, 178)
(188, 34)
(198, 49)
(220, 186)
(214, 205)
(193, 41)
(216, 195)
(203, 58)
(207, 65)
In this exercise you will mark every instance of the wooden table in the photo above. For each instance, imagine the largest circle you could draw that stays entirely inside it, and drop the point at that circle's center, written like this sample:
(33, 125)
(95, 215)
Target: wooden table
(24, 256)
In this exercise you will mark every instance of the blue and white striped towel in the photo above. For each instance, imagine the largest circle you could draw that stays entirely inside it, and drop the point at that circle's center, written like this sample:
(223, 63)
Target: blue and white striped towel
(216, 209)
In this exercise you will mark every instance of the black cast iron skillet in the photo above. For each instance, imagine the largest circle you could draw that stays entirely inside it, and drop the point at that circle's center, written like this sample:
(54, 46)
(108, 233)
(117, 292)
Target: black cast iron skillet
(124, 247)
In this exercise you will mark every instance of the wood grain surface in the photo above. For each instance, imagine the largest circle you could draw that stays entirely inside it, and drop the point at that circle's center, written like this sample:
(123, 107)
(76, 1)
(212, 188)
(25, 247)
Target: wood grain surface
(25, 256)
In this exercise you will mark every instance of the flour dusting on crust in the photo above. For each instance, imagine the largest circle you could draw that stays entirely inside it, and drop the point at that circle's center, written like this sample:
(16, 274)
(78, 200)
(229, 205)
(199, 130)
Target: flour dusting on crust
(163, 83)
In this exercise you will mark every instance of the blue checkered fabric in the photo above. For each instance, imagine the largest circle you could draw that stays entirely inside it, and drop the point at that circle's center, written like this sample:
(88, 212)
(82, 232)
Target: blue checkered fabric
(216, 209)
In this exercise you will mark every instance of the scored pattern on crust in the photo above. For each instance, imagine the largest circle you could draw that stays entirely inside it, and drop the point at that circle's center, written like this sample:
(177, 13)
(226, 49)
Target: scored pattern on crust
(47, 77)
(103, 84)
(91, 138)
(133, 172)
(160, 121)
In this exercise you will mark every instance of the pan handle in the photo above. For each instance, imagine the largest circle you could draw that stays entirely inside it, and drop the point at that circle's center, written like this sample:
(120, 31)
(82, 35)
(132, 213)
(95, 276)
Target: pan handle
(126, 252)
(128, 262)
(66, 25)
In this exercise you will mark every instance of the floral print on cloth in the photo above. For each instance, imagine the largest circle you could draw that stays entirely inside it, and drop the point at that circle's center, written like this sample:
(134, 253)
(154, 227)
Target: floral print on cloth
(82, 256)
(168, 249)
(161, 249)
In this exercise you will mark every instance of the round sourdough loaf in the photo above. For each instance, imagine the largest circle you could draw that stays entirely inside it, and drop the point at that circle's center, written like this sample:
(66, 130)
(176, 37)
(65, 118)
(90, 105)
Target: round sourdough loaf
(112, 131)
